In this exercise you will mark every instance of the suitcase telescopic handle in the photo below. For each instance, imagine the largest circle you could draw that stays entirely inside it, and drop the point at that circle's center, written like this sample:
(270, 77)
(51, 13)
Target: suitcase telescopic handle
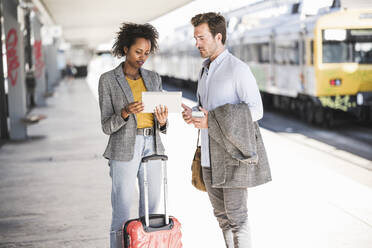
(154, 157)
(145, 160)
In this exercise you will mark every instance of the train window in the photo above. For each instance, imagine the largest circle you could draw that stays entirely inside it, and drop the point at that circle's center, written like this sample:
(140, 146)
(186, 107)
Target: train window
(235, 50)
(252, 53)
(363, 52)
(259, 53)
(303, 57)
(243, 53)
(295, 8)
(263, 53)
(286, 52)
(355, 46)
(335, 52)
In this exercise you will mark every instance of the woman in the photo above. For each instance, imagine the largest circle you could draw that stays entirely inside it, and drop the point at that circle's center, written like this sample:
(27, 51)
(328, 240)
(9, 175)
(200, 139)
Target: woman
(132, 133)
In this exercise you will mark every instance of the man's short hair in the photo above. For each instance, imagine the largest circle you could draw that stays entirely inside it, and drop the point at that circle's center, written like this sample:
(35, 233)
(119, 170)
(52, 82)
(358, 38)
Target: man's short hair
(216, 23)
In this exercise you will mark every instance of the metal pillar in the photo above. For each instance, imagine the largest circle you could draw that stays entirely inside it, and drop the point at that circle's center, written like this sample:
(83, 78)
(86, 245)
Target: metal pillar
(39, 65)
(49, 70)
(30, 77)
(27, 39)
(16, 71)
(4, 134)
(53, 74)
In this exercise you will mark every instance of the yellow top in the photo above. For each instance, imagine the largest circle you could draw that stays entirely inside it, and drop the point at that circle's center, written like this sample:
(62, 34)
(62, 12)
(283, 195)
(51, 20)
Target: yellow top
(137, 87)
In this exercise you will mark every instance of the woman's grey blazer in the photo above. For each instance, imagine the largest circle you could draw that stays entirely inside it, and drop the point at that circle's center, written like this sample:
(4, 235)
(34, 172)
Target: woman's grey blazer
(115, 93)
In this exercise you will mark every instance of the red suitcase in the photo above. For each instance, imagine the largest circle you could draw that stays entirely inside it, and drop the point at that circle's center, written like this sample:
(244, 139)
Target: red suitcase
(156, 230)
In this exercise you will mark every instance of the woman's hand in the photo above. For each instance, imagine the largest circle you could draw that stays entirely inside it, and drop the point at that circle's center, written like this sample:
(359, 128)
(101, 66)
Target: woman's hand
(161, 114)
(132, 108)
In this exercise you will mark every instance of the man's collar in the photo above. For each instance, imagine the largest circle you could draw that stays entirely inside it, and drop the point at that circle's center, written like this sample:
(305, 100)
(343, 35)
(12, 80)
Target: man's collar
(217, 60)
(221, 56)
(206, 63)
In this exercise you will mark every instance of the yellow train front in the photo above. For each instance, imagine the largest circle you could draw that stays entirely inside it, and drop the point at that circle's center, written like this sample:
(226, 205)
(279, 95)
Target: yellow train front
(343, 62)
(319, 67)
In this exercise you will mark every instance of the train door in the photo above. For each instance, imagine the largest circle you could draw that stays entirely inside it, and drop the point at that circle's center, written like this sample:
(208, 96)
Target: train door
(309, 73)
(287, 64)
(302, 62)
(271, 62)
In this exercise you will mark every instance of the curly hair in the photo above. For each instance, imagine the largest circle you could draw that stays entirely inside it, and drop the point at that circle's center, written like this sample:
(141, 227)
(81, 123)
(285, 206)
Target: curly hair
(128, 34)
(216, 23)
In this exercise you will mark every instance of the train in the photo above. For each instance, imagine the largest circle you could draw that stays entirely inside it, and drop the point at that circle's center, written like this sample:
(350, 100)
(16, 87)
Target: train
(317, 66)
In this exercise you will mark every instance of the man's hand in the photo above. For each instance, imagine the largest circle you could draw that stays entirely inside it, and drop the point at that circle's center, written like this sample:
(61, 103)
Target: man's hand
(161, 114)
(201, 122)
(186, 114)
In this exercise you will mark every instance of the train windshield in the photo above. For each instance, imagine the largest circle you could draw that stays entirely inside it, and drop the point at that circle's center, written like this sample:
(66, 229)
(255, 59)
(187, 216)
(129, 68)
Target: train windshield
(347, 46)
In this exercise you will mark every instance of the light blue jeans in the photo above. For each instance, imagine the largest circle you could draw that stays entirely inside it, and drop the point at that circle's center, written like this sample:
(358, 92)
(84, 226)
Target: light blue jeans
(124, 192)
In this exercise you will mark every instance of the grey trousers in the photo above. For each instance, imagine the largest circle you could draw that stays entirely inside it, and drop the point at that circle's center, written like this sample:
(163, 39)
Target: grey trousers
(230, 209)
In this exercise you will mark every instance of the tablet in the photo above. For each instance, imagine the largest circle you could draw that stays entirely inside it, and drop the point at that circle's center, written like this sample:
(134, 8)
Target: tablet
(152, 99)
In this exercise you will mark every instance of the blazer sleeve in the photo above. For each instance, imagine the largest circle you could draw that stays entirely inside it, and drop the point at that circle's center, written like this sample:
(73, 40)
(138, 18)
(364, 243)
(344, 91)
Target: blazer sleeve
(110, 121)
(160, 88)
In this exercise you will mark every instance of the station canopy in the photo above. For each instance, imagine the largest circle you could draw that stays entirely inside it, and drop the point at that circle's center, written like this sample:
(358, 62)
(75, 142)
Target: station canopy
(92, 22)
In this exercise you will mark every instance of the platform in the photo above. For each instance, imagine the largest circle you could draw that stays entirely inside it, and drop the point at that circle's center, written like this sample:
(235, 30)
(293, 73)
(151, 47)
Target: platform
(55, 187)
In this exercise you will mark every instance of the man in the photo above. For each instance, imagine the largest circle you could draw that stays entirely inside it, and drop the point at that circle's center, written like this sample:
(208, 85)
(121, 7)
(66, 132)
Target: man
(224, 79)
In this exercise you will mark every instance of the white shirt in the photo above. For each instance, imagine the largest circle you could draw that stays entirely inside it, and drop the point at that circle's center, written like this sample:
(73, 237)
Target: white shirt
(228, 80)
